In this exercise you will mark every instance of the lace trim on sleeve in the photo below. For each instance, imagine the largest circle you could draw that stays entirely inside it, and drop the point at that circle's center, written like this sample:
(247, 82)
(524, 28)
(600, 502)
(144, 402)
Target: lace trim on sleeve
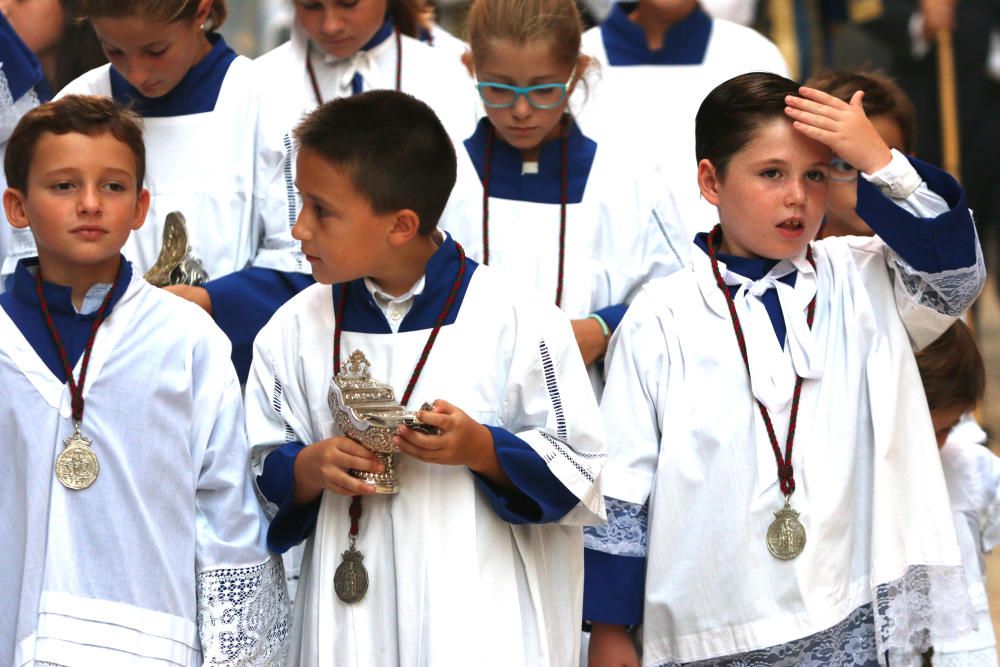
(948, 292)
(243, 615)
(928, 603)
(625, 532)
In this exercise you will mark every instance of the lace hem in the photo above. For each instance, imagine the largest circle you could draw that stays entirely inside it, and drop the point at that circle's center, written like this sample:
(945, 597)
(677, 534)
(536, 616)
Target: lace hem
(928, 603)
(849, 643)
(948, 292)
(243, 615)
(625, 532)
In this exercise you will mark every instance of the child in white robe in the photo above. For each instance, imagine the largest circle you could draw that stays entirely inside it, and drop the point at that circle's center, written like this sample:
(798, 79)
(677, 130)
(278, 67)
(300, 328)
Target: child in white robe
(658, 60)
(954, 378)
(581, 223)
(778, 371)
(336, 49)
(133, 534)
(478, 558)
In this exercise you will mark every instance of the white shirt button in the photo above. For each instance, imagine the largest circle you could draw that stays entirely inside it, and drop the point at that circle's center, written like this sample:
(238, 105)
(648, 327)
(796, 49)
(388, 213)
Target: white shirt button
(394, 314)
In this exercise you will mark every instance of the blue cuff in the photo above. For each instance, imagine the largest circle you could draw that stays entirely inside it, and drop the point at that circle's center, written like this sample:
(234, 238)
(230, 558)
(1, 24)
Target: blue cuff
(539, 497)
(931, 245)
(293, 523)
(244, 301)
(612, 315)
(614, 588)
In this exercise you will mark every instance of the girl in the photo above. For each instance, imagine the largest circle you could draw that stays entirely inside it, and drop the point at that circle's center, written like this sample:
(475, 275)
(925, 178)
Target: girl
(659, 59)
(338, 48)
(195, 96)
(810, 524)
(561, 213)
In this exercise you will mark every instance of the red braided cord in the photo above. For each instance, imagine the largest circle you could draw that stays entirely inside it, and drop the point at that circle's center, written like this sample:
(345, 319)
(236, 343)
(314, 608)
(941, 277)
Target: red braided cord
(355, 509)
(75, 388)
(315, 84)
(786, 474)
(563, 197)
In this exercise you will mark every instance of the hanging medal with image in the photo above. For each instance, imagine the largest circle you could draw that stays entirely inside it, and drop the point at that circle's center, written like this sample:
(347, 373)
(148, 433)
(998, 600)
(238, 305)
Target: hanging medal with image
(786, 536)
(350, 580)
(76, 466)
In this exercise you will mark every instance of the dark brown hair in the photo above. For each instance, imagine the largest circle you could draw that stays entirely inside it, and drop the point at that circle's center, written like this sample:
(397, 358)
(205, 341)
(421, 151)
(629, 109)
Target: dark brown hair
(732, 112)
(78, 50)
(393, 147)
(156, 11)
(952, 370)
(84, 114)
(883, 97)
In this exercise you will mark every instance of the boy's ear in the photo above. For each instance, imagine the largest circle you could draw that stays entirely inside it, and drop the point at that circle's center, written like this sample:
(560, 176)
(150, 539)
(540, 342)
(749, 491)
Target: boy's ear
(709, 181)
(141, 207)
(14, 206)
(405, 225)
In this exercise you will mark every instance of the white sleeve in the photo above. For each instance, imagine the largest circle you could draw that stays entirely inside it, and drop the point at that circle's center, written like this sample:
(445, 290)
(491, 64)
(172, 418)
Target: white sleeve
(242, 601)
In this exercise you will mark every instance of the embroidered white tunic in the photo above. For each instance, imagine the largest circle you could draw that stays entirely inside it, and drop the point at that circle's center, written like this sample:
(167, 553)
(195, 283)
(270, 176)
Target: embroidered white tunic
(162, 560)
(451, 581)
(869, 485)
(200, 164)
(649, 99)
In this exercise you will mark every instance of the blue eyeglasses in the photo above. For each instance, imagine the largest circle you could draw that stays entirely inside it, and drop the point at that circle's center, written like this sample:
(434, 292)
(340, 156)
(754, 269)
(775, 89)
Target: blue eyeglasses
(542, 96)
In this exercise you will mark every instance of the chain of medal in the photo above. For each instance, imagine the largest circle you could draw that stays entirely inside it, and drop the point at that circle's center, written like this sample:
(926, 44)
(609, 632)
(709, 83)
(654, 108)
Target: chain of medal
(315, 84)
(786, 536)
(350, 580)
(563, 197)
(77, 465)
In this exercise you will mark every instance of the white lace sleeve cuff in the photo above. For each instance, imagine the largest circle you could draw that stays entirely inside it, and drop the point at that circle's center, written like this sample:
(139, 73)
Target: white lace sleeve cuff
(625, 532)
(948, 292)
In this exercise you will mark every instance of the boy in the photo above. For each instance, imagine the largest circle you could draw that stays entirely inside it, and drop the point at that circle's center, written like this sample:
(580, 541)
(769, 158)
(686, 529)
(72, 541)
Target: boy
(459, 569)
(893, 116)
(136, 539)
(954, 378)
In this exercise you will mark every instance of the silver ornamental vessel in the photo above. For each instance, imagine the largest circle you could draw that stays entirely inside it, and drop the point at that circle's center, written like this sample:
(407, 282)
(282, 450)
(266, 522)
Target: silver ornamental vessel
(175, 265)
(367, 411)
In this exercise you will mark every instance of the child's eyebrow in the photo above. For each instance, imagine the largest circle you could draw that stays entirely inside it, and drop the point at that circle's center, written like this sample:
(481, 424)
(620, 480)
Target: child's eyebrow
(151, 45)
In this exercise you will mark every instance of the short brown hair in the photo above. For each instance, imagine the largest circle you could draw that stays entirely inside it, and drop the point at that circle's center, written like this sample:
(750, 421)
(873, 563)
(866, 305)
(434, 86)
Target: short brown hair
(883, 97)
(83, 114)
(155, 11)
(952, 370)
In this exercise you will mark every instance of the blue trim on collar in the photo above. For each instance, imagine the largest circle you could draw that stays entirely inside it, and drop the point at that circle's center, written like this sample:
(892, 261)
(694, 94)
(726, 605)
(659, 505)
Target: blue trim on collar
(383, 34)
(685, 43)
(545, 187)
(197, 92)
(21, 305)
(755, 269)
(362, 314)
(19, 65)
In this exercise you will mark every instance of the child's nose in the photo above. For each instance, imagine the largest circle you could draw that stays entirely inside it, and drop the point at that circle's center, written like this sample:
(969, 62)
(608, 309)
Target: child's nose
(89, 201)
(333, 23)
(522, 108)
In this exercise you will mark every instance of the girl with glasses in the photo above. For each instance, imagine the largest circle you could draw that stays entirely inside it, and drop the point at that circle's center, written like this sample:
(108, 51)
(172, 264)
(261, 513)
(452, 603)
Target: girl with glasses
(563, 214)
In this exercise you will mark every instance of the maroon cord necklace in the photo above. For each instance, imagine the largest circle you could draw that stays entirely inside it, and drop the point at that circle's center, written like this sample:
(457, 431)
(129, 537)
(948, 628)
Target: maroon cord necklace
(786, 536)
(487, 168)
(351, 570)
(77, 465)
(312, 73)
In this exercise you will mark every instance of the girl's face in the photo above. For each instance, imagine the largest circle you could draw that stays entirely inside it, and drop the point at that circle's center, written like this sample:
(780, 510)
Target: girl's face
(521, 125)
(772, 196)
(340, 27)
(154, 56)
(39, 23)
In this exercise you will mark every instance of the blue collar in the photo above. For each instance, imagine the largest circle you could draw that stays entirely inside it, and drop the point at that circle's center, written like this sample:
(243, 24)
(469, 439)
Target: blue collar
(362, 314)
(387, 29)
(21, 305)
(545, 187)
(197, 92)
(684, 44)
(20, 67)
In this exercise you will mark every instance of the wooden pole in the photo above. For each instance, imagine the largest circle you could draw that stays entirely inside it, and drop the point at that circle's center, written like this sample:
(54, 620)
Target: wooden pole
(948, 102)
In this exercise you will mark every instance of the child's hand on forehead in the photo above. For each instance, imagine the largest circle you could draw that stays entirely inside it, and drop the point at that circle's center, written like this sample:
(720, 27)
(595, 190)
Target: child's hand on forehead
(843, 127)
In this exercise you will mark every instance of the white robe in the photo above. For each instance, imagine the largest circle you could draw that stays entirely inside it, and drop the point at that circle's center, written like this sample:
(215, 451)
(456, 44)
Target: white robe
(200, 164)
(652, 108)
(451, 582)
(162, 560)
(287, 96)
(877, 522)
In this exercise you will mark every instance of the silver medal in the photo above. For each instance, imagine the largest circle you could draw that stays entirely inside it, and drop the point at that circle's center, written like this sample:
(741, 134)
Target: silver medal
(786, 536)
(77, 465)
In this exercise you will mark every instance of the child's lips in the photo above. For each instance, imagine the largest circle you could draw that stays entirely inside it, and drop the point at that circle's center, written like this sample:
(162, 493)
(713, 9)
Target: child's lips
(791, 228)
(89, 232)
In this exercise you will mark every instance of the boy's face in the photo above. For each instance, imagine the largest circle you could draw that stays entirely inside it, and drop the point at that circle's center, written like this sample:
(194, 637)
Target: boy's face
(945, 418)
(772, 195)
(843, 196)
(342, 237)
(81, 201)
